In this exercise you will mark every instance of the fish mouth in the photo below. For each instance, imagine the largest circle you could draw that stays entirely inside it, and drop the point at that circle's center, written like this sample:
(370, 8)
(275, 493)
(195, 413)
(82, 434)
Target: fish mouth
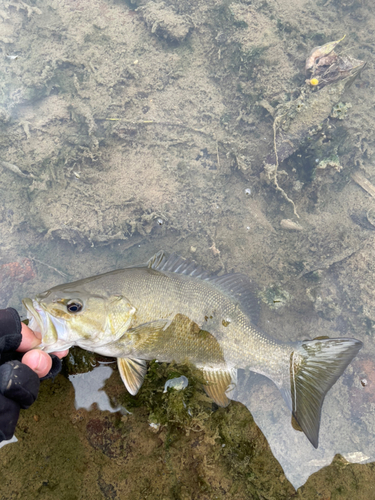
(34, 315)
(53, 336)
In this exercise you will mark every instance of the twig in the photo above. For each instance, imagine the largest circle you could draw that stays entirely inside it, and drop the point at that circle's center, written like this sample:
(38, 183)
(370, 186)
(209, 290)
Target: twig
(154, 122)
(276, 120)
(186, 233)
(51, 267)
(364, 183)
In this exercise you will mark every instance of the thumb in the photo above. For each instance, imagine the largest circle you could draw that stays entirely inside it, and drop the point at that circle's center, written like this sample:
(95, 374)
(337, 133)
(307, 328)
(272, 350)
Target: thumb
(38, 361)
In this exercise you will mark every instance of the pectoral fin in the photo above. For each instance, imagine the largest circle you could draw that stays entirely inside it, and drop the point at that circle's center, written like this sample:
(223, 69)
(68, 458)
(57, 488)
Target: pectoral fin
(150, 328)
(132, 373)
(220, 384)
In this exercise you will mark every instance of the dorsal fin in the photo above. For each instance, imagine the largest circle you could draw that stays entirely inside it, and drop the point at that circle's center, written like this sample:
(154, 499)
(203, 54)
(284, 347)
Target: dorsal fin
(238, 286)
(173, 263)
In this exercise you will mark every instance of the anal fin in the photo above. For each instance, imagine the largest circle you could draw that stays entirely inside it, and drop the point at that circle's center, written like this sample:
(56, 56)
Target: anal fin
(220, 384)
(132, 373)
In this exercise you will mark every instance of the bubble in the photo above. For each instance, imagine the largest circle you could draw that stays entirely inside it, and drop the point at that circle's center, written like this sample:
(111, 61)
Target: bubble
(248, 191)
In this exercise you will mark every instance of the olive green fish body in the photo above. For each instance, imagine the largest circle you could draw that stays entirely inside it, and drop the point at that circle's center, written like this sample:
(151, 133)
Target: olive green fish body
(172, 310)
(183, 318)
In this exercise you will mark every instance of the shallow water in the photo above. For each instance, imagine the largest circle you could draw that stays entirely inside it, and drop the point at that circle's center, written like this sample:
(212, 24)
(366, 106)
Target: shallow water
(125, 131)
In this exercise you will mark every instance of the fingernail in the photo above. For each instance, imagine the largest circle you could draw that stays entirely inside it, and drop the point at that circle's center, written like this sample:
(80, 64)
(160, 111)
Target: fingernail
(44, 365)
(38, 361)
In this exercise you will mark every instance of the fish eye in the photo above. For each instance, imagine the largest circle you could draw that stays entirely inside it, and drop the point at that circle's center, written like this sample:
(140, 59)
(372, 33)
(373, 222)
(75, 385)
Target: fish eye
(74, 306)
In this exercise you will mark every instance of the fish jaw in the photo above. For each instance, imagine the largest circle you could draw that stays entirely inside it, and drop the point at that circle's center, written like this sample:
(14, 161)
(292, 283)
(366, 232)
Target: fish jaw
(53, 332)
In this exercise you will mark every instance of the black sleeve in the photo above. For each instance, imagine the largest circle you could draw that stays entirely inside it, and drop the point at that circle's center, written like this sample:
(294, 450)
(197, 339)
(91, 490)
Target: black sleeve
(10, 330)
(19, 384)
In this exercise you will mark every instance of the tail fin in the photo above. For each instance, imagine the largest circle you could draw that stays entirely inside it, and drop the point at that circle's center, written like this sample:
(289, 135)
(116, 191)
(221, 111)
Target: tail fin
(315, 365)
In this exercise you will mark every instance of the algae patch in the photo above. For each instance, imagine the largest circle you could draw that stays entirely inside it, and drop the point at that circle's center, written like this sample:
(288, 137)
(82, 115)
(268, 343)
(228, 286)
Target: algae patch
(185, 409)
(195, 453)
(340, 110)
(275, 297)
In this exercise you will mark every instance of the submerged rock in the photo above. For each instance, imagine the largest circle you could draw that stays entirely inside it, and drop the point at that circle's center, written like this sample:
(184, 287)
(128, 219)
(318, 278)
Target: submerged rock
(164, 22)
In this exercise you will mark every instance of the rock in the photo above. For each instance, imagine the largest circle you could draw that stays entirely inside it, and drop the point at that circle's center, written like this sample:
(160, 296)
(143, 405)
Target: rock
(164, 22)
(290, 225)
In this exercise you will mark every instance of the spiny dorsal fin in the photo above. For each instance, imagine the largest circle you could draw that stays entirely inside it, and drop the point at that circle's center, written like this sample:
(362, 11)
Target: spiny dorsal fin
(132, 373)
(173, 263)
(238, 286)
(220, 384)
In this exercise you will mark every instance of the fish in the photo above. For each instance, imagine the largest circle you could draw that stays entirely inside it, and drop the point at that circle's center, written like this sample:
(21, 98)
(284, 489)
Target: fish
(170, 309)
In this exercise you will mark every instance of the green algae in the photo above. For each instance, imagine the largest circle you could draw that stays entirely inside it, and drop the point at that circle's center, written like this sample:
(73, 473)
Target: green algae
(79, 361)
(198, 451)
(69, 454)
(340, 480)
(340, 110)
(175, 409)
(247, 457)
(29, 467)
(275, 297)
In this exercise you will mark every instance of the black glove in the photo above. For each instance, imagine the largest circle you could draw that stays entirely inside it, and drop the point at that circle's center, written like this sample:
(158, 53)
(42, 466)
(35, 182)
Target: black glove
(19, 384)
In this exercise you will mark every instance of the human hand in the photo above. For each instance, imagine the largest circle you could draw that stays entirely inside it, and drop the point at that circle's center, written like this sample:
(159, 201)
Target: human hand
(37, 360)
(19, 382)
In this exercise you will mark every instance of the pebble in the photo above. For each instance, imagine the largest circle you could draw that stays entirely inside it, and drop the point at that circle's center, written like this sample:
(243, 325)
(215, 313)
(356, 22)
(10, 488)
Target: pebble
(290, 225)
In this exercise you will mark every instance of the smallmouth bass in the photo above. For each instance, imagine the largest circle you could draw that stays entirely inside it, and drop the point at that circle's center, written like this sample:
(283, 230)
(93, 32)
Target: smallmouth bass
(172, 310)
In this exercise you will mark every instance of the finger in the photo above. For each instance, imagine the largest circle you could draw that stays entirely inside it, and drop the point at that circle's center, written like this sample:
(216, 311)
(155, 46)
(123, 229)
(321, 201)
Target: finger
(29, 339)
(38, 361)
(61, 354)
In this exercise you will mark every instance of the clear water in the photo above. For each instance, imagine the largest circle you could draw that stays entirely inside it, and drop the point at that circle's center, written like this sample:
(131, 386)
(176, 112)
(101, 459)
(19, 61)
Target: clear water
(125, 131)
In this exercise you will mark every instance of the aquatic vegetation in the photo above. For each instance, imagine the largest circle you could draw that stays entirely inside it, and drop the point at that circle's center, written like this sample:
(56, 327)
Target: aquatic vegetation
(331, 164)
(340, 110)
(275, 297)
(79, 361)
(172, 408)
